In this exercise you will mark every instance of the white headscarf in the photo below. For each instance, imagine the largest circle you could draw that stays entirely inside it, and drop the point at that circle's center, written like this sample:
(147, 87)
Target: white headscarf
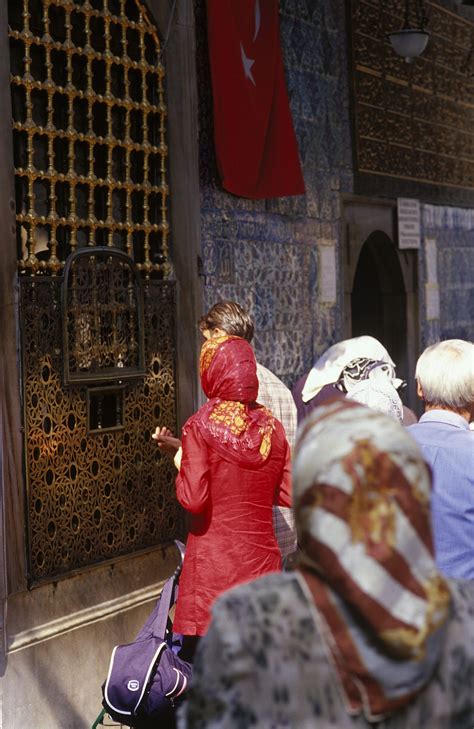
(330, 365)
(379, 395)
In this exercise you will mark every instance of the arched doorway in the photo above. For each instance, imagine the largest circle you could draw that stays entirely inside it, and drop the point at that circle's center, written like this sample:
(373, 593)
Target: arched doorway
(381, 286)
(378, 298)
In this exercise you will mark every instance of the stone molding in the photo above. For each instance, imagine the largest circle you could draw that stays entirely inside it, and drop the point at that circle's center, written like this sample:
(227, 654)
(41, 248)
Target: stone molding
(82, 618)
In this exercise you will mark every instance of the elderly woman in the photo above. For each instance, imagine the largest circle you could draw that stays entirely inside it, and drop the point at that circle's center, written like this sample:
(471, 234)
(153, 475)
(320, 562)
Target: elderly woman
(366, 630)
(235, 466)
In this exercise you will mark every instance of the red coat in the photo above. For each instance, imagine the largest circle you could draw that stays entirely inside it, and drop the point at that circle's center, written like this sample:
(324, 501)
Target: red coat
(231, 538)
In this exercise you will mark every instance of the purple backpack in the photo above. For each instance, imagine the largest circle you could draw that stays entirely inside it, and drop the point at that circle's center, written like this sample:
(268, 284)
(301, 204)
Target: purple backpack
(146, 678)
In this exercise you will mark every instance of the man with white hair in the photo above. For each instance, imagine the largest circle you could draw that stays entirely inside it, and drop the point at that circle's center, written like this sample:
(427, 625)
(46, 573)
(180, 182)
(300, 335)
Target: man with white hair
(445, 381)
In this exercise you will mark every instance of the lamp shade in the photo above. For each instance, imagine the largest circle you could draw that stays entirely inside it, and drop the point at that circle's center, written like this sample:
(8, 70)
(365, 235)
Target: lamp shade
(409, 42)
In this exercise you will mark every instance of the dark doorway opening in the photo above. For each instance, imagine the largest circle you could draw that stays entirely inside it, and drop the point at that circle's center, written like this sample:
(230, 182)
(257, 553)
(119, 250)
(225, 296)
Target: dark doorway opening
(378, 299)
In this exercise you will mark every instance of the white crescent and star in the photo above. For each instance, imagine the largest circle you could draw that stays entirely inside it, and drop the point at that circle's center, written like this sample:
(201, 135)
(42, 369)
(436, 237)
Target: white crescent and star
(247, 62)
(257, 19)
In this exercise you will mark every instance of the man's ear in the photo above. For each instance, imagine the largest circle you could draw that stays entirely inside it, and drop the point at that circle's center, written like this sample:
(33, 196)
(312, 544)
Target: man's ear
(419, 391)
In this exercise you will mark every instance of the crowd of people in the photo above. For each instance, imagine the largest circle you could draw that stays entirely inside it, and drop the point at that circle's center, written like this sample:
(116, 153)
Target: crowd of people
(328, 575)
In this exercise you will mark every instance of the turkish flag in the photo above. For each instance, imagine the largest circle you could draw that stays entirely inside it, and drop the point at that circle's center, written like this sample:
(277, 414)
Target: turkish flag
(255, 142)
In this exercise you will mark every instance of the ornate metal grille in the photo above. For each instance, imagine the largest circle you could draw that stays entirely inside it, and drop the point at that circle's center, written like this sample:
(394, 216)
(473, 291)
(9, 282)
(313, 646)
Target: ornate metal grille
(91, 198)
(103, 329)
(95, 495)
(89, 131)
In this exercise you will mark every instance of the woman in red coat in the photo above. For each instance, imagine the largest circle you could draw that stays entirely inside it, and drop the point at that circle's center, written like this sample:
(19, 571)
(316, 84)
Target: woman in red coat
(235, 466)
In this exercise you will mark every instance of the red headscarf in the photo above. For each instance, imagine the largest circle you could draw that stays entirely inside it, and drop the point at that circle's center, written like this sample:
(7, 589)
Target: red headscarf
(232, 422)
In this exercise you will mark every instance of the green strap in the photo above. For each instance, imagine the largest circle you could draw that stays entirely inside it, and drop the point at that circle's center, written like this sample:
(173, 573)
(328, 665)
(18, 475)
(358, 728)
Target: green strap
(98, 720)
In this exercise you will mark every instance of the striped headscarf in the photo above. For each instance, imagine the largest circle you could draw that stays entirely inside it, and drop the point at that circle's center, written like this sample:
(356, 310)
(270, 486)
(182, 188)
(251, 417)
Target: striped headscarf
(362, 495)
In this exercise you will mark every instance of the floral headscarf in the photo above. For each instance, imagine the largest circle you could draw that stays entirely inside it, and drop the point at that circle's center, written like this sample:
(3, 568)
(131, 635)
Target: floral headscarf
(373, 383)
(362, 496)
(231, 421)
(329, 366)
(361, 369)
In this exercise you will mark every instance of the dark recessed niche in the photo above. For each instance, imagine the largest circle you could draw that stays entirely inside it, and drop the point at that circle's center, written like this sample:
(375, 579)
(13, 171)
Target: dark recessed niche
(105, 408)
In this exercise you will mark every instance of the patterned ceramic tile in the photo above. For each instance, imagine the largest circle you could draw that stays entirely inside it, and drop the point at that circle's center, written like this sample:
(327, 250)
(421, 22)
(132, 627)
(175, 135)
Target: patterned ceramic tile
(453, 230)
(272, 269)
(264, 253)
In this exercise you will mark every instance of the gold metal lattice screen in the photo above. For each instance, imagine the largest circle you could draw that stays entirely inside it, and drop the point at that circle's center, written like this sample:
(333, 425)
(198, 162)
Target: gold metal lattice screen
(98, 486)
(97, 308)
(102, 317)
(89, 132)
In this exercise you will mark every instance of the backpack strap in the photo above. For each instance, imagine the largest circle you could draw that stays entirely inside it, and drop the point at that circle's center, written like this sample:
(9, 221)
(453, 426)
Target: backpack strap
(166, 601)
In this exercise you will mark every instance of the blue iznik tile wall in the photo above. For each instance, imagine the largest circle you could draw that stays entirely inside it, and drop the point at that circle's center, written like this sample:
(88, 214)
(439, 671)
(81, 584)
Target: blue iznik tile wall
(266, 254)
(449, 231)
(269, 254)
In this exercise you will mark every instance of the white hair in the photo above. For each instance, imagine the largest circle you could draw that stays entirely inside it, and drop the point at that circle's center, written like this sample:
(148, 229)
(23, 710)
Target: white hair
(445, 373)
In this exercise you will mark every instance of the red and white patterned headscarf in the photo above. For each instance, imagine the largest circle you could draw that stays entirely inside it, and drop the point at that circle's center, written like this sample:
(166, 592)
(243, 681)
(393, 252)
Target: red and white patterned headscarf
(362, 501)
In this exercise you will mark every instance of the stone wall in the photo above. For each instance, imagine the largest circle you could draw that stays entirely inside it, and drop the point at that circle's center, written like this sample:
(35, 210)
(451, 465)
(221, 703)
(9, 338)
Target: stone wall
(265, 254)
(451, 231)
(60, 637)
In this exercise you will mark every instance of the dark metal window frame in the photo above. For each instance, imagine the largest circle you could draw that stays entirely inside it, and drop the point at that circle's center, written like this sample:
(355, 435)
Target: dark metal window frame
(114, 374)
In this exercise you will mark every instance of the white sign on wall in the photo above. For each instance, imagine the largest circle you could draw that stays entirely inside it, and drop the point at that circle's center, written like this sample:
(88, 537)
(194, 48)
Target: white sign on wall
(431, 285)
(327, 274)
(409, 229)
(431, 258)
(432, 301)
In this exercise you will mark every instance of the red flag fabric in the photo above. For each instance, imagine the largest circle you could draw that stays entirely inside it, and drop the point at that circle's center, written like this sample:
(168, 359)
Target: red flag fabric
(256, 149)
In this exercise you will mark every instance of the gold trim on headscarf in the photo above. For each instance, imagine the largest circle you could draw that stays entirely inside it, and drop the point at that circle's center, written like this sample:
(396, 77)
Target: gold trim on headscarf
(208, 351)
(372, 513)
(266, 432)
(231, 414)
(407, 643)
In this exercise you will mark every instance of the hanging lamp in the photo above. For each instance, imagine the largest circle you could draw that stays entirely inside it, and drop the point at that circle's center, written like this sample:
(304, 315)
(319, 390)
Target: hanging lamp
(411, 41)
